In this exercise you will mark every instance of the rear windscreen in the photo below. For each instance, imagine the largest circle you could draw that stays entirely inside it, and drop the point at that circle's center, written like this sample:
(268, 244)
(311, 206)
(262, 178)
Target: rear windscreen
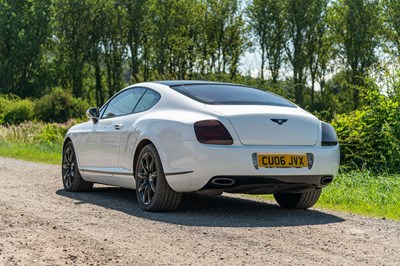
(222, 94)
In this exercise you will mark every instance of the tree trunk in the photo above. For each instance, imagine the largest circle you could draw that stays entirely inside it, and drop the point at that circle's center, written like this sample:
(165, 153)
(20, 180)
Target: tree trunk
(99, 88)
(262, 61)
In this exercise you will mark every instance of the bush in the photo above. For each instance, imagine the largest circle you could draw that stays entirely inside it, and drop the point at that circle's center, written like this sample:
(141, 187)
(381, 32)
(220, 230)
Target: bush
(19, 112)
(4, 104)
(14, 111)
(36, 132)
(370, 137)
(60, 106)
(52, 133)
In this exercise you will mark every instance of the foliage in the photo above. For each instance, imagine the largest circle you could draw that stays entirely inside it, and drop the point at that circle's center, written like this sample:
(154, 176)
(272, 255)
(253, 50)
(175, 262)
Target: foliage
(13, 110)
(59, 106)
(34, 141)
(18, 112)
(24, 33)
(357, 26)
(267, 21)
(303, 35)
(391, 32)
(94, 48)
(35, 133)
(363, 193)
(370, 136)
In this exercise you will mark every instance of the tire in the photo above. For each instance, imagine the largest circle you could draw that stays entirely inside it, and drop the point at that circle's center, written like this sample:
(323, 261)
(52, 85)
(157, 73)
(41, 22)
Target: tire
(152, 190)
(72, 179)
(298, 200)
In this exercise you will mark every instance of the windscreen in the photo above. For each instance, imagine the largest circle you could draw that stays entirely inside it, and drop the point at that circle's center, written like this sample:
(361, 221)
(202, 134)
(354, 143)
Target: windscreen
(222, 94)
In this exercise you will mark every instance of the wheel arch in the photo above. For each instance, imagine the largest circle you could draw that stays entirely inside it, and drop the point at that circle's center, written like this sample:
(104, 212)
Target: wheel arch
(138, 149)
(66, 140)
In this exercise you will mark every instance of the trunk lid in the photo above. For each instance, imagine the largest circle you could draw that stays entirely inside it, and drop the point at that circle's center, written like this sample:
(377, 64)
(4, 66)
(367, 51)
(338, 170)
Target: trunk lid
(271, 125)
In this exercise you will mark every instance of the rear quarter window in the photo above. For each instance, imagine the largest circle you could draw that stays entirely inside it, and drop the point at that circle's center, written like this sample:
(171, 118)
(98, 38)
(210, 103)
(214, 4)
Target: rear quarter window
(148, 100)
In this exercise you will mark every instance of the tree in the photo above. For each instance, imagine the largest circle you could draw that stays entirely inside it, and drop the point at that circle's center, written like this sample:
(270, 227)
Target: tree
(24, 33)
(357, 26)
(391, 10)
(98, 22)
(266, 19)
(297, 16)
(135, 14)
(114, 46)
(72, 33)
(316, 43)
(224, 35)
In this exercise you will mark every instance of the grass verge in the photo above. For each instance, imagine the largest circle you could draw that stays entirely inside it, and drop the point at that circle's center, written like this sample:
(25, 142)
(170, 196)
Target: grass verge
(42, 153)
(364, 193)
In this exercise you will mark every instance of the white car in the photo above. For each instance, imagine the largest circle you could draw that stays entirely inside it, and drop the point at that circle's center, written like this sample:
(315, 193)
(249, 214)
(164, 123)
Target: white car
(166, 138)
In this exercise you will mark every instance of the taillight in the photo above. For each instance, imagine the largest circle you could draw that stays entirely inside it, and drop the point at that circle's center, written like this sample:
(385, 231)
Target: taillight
(212, 132)
(329, 137)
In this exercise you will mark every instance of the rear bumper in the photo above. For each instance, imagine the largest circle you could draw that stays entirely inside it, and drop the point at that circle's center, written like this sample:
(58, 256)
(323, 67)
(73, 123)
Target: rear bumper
(196, 164)
(267, 184)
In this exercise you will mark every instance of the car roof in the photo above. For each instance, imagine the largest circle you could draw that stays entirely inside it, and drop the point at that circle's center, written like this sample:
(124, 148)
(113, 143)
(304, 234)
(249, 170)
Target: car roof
(173, 83)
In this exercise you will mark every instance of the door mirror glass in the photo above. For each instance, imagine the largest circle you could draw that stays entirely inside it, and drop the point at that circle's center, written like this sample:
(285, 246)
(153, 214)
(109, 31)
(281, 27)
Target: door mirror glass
(93, 113)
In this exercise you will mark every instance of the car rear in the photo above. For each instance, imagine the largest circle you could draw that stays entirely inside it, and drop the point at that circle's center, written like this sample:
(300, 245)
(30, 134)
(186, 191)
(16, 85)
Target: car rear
(257, 142)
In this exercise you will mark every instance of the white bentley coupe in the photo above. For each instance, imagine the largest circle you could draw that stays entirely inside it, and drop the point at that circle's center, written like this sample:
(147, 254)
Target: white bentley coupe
(166, 138)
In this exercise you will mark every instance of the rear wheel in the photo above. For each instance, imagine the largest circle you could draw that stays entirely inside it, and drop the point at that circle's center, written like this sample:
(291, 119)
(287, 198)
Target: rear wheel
(303, 200)
(152, 190)
(72, 179)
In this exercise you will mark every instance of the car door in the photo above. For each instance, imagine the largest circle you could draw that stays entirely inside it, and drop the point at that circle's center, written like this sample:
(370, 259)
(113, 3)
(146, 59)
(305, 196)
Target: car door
(100, 154)
(129, 135)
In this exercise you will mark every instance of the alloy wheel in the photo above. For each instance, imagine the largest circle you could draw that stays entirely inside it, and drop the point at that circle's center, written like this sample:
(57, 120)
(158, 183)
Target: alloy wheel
(147, 176)
(68, 167)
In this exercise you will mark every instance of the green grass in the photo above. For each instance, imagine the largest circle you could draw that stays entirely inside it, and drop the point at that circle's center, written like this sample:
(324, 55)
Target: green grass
(42, 153)
(355, 192)
(364, 193)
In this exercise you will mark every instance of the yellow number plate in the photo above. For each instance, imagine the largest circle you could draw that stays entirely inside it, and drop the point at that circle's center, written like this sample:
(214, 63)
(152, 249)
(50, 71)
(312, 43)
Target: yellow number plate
(282, 160)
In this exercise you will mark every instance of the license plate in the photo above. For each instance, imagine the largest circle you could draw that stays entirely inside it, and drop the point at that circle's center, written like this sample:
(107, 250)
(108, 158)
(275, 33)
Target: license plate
(282, 160)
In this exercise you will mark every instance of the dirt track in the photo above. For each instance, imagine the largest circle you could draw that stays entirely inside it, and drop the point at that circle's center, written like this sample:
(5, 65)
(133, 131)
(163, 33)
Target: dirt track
(41, 224)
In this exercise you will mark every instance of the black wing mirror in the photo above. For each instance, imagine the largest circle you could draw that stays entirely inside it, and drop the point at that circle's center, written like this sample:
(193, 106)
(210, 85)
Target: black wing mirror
(93, 113)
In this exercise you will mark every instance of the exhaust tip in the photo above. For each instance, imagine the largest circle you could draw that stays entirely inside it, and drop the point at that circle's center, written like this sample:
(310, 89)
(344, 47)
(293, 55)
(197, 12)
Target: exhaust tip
(223, 182)
(326, 180)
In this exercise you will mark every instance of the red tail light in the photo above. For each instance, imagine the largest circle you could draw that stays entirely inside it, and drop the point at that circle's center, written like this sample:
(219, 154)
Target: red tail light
(212, 132)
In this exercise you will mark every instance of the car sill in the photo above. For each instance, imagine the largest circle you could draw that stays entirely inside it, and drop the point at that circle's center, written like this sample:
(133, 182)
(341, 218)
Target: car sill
(106, 172)
(178, 173)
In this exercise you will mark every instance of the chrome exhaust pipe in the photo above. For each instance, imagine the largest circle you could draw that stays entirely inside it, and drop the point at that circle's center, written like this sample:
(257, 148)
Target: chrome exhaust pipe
(326, 180)
(223, 182)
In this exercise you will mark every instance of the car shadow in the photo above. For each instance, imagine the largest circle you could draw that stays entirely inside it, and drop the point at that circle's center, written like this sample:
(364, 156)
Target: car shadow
(202, 210)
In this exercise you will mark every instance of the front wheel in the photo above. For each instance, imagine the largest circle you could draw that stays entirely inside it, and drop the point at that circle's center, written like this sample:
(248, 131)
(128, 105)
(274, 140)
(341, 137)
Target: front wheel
(152, 190)
(72, 179)
(303, 200)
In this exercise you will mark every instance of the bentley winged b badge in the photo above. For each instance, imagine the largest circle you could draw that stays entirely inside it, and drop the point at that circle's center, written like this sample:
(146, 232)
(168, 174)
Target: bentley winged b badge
(279, 121)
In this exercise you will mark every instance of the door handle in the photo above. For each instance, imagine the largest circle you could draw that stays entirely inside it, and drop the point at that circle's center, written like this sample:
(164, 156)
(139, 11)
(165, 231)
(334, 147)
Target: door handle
(118, 126)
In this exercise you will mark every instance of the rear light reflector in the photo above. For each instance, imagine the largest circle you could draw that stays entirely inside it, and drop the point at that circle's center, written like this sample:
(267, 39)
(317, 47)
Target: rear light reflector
(212, 132)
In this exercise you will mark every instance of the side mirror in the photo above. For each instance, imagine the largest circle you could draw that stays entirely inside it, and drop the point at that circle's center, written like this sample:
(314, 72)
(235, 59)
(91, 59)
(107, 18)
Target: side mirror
(93, 113)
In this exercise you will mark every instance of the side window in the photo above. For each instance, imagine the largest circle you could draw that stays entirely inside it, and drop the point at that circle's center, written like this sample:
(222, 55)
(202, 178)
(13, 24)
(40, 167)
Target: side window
(149, 99)
(123, 103)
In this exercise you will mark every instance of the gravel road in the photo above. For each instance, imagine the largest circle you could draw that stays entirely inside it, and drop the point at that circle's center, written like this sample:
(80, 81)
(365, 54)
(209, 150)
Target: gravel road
(41, 224)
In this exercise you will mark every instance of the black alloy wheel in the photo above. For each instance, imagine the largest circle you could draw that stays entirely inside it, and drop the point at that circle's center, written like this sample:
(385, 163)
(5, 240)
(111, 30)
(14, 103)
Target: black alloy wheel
(152, 189)
(68, 171)
(72, 179)
(147, 178)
